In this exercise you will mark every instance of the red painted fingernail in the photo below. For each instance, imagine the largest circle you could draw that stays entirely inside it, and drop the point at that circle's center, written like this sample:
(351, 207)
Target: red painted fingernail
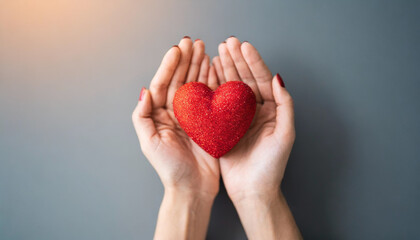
(231, 36)
(197, 40)
(224, 42)
(280, 80)
(187, 37)
(142, 93)
(175, 46)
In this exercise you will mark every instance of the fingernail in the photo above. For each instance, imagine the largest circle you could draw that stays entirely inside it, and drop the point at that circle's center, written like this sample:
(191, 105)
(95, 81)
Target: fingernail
(187, 37)
(197, 40)
(280, 80)
(231, 36)
(224, 42)
(175, 46)
(142, 93)
(245, 41)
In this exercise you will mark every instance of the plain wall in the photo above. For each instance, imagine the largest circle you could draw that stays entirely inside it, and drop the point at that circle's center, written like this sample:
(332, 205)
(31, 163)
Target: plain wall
(71, 72)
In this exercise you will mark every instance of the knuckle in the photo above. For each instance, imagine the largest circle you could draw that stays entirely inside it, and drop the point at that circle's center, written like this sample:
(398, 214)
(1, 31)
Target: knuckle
(254, 60)
(288, 100)
(158, 85)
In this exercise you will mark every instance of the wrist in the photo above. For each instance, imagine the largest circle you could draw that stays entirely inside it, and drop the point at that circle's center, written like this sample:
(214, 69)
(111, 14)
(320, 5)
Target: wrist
(189, 195)
(263, 199)
(267, 216)
(259, 195)
(183, 215)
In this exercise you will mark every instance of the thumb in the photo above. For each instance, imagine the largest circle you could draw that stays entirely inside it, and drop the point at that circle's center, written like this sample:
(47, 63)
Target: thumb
(285, 123)
(142, 118)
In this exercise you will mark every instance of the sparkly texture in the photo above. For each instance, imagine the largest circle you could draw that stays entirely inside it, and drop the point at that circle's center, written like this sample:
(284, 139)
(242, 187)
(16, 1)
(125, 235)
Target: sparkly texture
(215, 120)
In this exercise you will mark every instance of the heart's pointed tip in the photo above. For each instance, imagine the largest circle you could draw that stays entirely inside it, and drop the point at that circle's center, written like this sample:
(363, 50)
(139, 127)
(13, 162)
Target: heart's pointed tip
(217, 155)
(218, 152)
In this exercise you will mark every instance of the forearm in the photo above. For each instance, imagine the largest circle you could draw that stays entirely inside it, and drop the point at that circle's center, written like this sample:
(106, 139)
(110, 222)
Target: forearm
(183, 216)
(267, 217)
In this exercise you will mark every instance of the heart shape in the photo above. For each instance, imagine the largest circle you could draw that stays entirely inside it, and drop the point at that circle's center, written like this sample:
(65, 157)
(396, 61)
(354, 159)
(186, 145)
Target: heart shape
(215, 120)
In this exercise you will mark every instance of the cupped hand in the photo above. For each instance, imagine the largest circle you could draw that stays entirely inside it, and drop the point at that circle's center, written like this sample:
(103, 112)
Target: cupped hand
(179, 162)
(255, 166)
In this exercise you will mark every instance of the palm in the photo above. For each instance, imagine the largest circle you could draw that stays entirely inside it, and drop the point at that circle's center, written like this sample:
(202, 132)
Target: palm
(185, 162)
(250, 162)
(261, 128)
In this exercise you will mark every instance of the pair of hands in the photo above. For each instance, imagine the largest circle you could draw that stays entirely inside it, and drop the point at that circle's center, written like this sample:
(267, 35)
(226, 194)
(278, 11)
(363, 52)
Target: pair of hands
(254, 168)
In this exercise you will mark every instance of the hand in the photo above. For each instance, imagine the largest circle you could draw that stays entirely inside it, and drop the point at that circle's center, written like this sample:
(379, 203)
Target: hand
(253, 170)
(180, 163)
(190, 175)
(257, 163)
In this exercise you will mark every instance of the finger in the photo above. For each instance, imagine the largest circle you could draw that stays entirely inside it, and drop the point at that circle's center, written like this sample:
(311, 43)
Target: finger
(213, 83)
(259, 70)
(285, 125)
(142, 119)
(204, 70)
(234, 47)
(179, 77)
(228, 66)
(160, 82)
(219, 70)
(196, 60)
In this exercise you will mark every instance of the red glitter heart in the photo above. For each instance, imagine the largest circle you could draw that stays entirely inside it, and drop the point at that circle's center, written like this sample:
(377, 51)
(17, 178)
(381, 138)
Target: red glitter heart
(215, 120)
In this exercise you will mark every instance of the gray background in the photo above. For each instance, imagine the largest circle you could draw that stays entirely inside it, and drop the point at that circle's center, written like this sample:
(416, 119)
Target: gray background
(71, 72)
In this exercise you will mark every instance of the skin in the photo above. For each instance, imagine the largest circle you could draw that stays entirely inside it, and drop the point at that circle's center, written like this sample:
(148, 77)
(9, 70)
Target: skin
(189, 175)
(253, 170)
(252, 174)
